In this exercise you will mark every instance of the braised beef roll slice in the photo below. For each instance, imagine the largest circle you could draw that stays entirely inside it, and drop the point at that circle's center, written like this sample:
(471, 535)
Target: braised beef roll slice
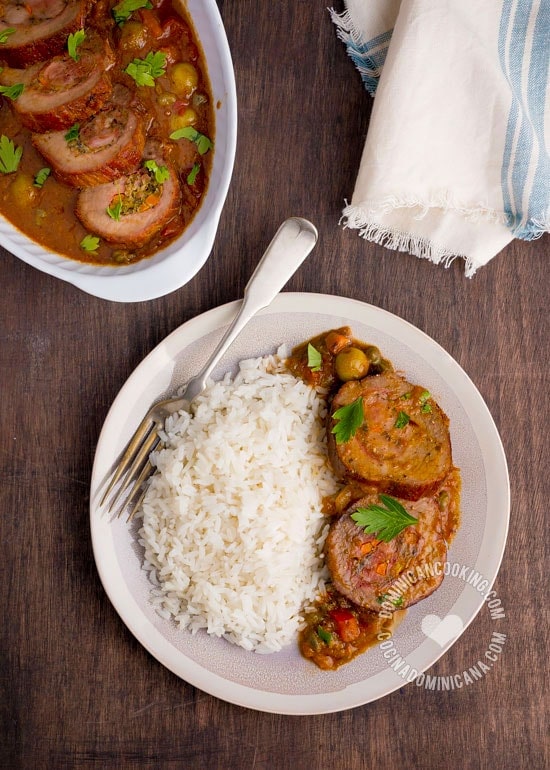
(132, 209)
(61, 92)
(38, 29)
(403, 445)
(388, 575)
(108, 145)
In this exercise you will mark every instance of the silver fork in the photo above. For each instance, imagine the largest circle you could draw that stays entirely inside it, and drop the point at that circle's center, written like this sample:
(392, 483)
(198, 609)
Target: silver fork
(291, 244)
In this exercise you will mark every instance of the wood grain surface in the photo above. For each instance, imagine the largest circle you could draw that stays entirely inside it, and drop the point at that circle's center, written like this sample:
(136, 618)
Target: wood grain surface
(78, 691)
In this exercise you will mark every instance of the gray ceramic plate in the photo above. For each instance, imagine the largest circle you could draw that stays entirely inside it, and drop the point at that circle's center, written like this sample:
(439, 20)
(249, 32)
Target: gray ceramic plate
(284, 682)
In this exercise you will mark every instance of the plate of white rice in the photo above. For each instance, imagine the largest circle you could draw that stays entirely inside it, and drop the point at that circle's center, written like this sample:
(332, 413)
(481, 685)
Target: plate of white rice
(215, 573)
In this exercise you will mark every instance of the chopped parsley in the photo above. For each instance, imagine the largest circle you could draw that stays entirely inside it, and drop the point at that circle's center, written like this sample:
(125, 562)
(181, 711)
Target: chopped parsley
(115, 209)
(160, 173)
(41, 177)
(10, 155)
(385, 521)
(402, 420)
(326, 636)
(12, 92)
(349, 418)
(144, 71)
(192, 175)
(423, 399)
(397, 602)
(73, 133)
(4, 35)
(314, 358)
(201, 140)
(122, 11)
(89, 243)
(74, 40)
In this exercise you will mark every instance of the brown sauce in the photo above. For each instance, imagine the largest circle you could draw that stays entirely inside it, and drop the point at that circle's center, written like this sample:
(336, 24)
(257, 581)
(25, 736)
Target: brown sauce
(336, 629)
(46, 214)
(333, 346)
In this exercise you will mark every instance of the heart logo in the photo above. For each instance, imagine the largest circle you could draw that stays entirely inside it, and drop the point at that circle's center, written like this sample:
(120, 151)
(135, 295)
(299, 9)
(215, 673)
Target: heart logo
(442, 630)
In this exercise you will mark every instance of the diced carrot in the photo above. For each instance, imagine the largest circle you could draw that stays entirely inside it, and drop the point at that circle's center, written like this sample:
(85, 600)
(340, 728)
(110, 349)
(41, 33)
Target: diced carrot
(381, 568)
(336, 342)
(366, 548)
(151, 200)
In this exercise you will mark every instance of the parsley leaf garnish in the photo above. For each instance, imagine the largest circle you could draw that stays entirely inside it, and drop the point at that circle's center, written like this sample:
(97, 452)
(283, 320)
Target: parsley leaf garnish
(201, 140)
(384, 522)
(73, 133)
(10, 155)
(402, 420)
(74, 40)
(386, 597)
(144, 71)
(423, 399)
(4, 35)
(398, 602)
(122, 11)
(12, 92)
(89, 243)
(160, 173)
(115, 209)
(192, 175)
(350, 418)
(41, 177)
(314, 358)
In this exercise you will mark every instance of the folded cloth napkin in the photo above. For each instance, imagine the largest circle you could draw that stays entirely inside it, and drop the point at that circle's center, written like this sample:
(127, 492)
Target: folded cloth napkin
(455, 161)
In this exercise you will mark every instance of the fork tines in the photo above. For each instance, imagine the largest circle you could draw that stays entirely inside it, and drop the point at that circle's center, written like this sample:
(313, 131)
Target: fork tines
(133, 470)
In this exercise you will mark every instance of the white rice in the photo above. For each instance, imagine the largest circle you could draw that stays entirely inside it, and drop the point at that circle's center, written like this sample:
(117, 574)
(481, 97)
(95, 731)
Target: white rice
(232, 523)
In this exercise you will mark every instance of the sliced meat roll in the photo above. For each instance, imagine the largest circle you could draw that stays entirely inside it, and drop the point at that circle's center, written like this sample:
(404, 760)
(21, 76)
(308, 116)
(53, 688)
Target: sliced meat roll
(138, 203)
(62, 91)
(108, 145)
(41, 28)
(394, 575)
(403, 446)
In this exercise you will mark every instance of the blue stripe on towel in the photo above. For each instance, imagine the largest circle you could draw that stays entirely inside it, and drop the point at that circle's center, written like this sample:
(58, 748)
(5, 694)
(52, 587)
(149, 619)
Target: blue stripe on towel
(526, 164)
(537, 93)
(368, 56)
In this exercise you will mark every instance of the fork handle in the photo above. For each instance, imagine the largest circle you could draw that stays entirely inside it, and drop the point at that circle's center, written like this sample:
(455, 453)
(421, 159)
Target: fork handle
(289, 247)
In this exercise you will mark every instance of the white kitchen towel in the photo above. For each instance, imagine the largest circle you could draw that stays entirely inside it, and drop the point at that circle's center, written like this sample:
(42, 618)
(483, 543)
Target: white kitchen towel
(456, 160)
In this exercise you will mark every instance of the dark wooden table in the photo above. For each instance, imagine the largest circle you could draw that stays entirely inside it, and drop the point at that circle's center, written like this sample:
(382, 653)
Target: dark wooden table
(77, 690)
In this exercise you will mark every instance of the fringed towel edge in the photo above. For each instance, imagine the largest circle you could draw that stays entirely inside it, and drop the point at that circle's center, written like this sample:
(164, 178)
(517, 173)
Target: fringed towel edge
(419, 246)
(444, 201)
(534, 228)
(360, 50)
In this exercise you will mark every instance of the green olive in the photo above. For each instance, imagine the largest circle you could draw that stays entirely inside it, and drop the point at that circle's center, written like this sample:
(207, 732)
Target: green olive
(374, 355)
(188, 118)
(184, 78)
(133, 36)
(351, 364)
(443, 500)
(23, 190)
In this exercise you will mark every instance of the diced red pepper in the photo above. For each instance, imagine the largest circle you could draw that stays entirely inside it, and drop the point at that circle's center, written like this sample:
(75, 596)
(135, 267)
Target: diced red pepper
(347, 626)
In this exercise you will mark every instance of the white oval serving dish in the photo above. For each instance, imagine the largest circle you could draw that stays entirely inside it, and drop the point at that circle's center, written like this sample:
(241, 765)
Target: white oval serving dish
(172, 267)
